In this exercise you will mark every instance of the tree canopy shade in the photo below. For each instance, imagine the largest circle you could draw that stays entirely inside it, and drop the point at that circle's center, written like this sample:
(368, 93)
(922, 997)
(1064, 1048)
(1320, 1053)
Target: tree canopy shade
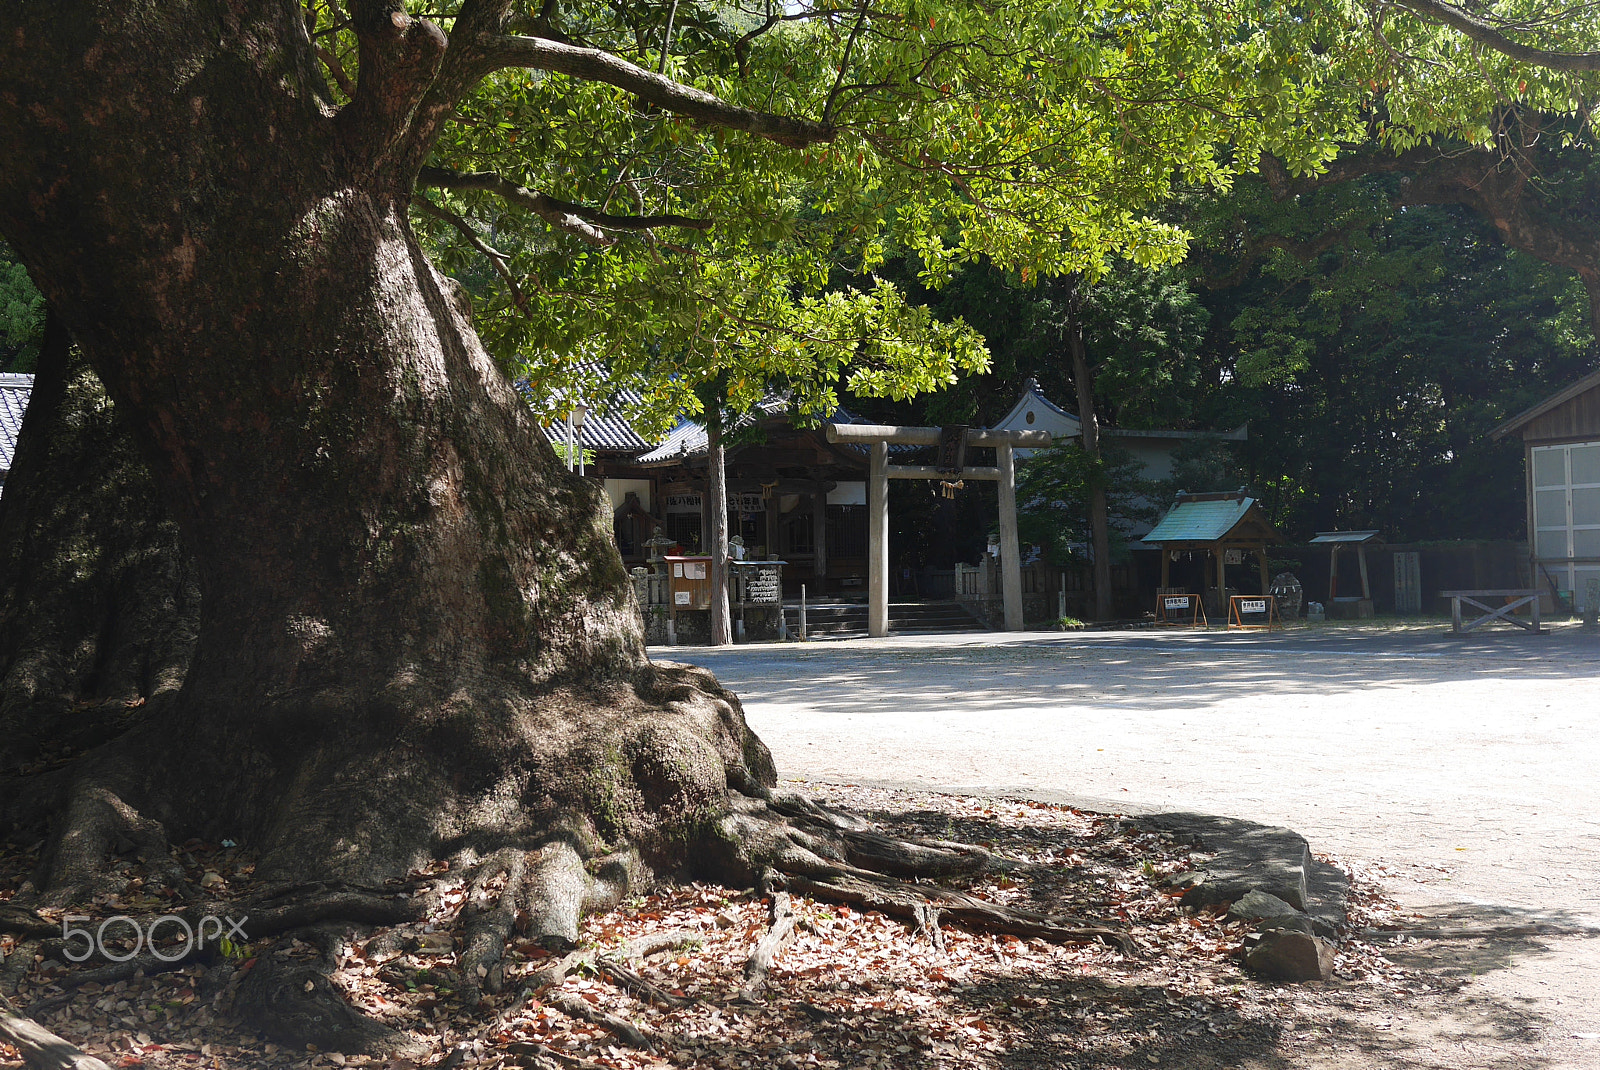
(416, 639)
(1035, 135)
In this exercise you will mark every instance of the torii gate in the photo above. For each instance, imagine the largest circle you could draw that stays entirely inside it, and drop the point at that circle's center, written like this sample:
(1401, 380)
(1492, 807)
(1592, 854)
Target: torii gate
(879, 437)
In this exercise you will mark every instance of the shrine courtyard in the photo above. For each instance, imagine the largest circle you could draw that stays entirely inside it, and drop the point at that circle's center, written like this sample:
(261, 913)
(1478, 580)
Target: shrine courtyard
(1463, 773)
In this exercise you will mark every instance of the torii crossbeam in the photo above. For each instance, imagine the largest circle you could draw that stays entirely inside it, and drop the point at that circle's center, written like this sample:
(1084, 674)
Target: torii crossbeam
(880, 437)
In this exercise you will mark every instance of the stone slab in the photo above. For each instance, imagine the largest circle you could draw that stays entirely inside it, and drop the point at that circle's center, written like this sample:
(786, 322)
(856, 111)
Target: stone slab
(1247, 857)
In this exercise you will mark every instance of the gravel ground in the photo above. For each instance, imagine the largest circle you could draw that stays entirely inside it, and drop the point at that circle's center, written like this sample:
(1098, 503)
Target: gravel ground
(1459, 770)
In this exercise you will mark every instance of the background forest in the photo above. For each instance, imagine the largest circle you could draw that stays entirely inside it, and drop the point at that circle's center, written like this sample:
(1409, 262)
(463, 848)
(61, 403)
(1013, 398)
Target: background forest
(1369, 348)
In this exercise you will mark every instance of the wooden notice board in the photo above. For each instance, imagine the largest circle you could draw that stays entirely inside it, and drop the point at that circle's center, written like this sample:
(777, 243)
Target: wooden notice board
(688, 583)
(1180, 609)
(1253, 611)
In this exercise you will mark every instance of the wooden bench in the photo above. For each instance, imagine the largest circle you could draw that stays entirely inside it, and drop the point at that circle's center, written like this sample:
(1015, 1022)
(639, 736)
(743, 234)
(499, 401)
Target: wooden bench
(1514, 599)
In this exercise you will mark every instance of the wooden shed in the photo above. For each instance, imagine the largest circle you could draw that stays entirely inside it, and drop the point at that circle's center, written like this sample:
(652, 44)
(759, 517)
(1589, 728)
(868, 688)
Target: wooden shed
(1561, 454)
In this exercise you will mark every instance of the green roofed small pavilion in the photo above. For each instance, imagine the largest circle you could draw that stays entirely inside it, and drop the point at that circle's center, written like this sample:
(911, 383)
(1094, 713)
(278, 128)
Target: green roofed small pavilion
(1219, 525)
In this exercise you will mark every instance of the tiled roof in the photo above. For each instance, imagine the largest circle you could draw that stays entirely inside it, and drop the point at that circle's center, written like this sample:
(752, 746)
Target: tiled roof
(612, 431)
(14, 393)
(1204, 521)
(688, 439)
(604, 427)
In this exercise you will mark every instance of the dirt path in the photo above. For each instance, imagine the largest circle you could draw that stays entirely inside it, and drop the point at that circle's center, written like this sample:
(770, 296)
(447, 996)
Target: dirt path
(1463, 770)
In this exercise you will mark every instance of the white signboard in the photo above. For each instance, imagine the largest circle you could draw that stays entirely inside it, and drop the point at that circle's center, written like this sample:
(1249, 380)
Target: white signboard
(1252, 605)
(1179, 602)
(694, 570)
(763, 587)
(680, 598)
(682, 503)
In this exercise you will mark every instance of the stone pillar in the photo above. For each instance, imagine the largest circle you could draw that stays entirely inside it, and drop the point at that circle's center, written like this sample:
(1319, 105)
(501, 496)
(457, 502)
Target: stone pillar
(1010, 551)
(878, 542)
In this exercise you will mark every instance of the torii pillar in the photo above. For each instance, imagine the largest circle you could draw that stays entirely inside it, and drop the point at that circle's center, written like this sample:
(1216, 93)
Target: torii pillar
(879, 437)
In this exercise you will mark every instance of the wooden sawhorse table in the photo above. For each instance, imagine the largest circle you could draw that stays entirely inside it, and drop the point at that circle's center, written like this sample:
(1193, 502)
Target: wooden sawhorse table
(1516, 598)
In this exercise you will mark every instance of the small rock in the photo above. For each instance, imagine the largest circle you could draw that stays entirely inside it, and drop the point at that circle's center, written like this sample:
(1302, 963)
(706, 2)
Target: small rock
(211, 879)
(1291, 956)
(1258, 904)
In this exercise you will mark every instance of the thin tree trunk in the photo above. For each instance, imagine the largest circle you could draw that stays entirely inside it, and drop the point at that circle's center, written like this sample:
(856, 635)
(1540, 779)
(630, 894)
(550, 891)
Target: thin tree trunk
(1099, 513)
(717, 489)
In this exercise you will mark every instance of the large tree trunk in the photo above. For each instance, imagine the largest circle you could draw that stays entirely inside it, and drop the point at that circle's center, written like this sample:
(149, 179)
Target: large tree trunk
(416, 640)
(1099, 509)
(417, 636)
(98, 603)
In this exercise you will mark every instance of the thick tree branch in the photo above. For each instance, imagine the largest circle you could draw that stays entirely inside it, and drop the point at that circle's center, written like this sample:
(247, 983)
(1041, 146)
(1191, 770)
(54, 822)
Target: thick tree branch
(1344, 169)
(494, 256)
(593, 65)
(1487, 34)
(399, 58)
(1497, 185)
(579, 220)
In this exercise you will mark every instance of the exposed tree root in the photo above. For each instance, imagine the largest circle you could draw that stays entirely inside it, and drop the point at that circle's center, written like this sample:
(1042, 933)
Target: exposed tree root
(40, 1048)
(490, 919)
(623, 977)
(293, 1001)
(542, 1057)
(24, 922)
(767, 948)
(643, 947)
(912, 901)
(787, 844)
(539, 889)
(97, 826)
(625, 1031)
(928, 925)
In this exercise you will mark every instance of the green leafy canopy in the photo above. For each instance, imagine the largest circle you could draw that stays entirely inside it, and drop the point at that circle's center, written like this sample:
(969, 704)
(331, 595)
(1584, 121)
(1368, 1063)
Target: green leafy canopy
(1042, 135)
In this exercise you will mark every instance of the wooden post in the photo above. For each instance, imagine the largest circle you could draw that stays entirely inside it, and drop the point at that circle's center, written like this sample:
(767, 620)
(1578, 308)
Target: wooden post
(1166, 567)
(819, 537)
(1261, 556)
(1333, 573)
(1361, 559)
(878, 542)
(1010, 550)
(775, 551)
(1222, 579)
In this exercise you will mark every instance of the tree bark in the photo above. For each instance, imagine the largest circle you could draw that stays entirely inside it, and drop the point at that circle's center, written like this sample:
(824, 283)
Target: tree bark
(717, 510)
(1099, 510)
(416, 636)
(99, 605)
